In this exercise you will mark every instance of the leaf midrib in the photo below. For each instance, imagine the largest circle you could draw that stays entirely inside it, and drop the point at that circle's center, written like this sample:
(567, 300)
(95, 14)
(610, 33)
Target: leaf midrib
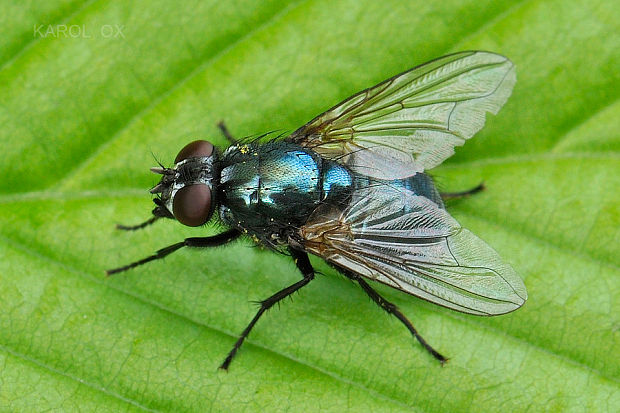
(37, 196)
(49, 194)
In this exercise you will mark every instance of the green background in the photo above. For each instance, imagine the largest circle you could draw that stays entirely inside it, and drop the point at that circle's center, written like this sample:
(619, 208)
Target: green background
(81, 116)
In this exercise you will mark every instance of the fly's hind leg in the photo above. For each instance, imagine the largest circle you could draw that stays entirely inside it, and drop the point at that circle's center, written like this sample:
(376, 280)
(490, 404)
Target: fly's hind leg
(392, 309)
(463, 194)
(222, 127)
(303, 263)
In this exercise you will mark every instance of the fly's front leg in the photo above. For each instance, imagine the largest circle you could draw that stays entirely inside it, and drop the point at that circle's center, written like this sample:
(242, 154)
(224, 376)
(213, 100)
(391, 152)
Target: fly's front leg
(145, 224)
(392, 309)
(196, 242)
(303, 263)
(222, 126)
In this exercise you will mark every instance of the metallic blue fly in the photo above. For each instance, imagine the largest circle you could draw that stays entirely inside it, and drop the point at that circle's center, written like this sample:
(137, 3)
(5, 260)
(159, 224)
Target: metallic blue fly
(350, 187)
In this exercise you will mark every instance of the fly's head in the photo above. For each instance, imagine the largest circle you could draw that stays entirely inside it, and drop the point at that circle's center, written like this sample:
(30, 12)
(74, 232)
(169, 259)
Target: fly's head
(186, 190)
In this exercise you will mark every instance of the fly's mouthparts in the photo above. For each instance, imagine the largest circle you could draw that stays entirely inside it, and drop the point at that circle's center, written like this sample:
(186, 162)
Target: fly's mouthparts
(157, 189)
(158, 170)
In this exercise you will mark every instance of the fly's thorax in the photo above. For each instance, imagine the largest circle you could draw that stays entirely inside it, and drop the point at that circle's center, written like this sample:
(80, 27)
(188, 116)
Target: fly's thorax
(239, 177)
(187, 189)
(276, 184)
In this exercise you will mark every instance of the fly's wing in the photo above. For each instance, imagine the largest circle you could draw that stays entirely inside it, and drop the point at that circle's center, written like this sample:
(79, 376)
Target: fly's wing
(413, 121)
(408, 242)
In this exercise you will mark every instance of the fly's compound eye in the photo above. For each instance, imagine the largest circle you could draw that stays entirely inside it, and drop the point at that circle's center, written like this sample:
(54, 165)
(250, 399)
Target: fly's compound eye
(194, 150)
(191, 205)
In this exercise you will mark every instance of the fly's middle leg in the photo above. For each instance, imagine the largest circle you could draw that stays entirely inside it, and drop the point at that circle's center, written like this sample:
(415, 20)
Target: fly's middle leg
(394, 310)
(303, 264)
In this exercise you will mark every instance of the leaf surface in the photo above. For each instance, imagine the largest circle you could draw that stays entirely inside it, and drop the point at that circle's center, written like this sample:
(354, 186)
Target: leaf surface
(82, 115)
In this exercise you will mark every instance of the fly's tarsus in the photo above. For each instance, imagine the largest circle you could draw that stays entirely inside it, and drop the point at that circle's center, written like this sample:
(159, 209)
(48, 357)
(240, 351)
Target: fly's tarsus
(463, 194)
(139, 226)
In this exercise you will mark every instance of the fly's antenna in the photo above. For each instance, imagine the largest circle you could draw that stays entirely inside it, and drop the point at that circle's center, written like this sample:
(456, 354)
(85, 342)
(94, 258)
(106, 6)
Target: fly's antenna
(157, 160)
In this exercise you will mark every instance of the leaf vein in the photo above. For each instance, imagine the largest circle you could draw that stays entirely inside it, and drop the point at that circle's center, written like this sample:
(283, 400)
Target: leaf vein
(30, 44)
(53, 370)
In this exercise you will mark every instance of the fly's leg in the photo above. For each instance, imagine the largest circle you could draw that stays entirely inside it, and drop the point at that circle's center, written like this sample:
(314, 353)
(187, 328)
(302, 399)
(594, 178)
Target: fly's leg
(393, 309)
(197, 242)
(462, 194)
(222, 126)
(139, 226)
(303, 263)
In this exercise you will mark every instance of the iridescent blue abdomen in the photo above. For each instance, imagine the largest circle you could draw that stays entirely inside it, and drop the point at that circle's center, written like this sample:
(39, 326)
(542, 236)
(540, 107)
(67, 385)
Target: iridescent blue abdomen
(420, 184)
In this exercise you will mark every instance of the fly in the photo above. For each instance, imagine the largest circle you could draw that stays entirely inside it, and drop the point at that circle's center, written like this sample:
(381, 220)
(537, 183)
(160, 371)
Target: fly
(350, 187)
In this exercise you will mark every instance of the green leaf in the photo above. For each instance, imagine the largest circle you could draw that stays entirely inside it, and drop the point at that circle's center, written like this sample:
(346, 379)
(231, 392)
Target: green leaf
(81, 113)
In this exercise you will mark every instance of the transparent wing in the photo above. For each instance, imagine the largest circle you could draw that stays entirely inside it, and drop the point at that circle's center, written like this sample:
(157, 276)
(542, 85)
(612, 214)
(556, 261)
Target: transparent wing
(413, 121)
(408, 242)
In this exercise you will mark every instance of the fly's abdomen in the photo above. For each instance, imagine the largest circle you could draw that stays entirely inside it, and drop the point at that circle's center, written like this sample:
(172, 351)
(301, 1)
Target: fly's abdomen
(419, 184)
(336, 183)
